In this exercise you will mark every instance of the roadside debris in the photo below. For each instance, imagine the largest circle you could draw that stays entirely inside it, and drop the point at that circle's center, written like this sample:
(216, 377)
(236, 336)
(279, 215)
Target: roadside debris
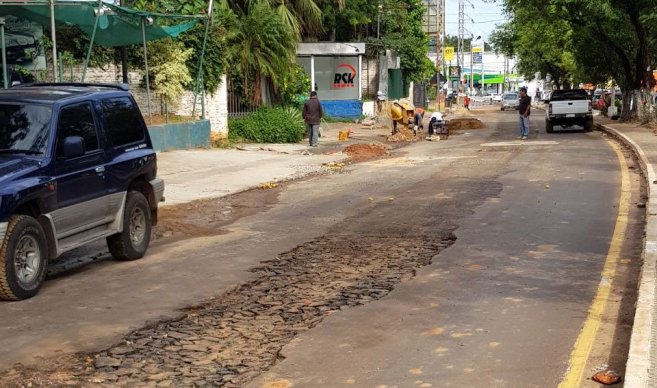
(368, 122)
(607, 377)
(403, 135)
(268, 185)
(334, 166)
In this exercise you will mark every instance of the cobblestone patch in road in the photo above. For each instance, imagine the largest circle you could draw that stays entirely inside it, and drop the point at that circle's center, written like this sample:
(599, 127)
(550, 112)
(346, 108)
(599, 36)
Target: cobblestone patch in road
(237, 336)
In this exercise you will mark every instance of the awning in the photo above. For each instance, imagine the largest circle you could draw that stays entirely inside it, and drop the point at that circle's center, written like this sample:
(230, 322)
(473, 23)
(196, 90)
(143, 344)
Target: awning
(118, 26)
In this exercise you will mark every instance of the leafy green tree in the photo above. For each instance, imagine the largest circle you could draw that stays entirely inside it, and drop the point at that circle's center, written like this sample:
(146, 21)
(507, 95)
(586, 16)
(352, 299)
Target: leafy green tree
(541, 40)
(294, 86)
(601, 39)
(171, 74)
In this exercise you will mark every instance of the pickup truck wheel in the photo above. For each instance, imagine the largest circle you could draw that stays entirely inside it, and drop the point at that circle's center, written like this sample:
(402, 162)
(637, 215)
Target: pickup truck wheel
(23, 259)
(131, 244)
(588, 126)
(549, 128)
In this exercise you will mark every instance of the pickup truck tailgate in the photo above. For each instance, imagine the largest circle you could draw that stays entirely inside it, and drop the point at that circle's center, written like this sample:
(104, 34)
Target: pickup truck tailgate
(569, 107)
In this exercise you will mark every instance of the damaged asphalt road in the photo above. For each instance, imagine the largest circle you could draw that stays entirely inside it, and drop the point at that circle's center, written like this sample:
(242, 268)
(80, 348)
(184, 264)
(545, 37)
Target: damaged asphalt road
(329, 246)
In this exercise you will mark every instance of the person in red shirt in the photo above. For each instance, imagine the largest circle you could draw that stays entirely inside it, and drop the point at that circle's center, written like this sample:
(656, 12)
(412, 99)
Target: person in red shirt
(466, 102)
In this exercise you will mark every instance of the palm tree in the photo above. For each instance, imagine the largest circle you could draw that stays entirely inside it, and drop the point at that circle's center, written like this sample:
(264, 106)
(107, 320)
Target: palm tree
(261, 45)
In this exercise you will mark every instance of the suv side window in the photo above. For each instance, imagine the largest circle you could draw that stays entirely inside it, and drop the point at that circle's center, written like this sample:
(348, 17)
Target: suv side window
(77, 120)
(121, 121)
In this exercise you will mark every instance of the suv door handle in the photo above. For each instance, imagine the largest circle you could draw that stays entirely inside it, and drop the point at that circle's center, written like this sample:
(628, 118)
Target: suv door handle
(100, 169)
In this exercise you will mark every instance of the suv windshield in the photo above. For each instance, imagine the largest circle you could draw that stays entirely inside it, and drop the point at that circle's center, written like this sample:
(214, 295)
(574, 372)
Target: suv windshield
(565, 95)
(510, 96)
(24, 128)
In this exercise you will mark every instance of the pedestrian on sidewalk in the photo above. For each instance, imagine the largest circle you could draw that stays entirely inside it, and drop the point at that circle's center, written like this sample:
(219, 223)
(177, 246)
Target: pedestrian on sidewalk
(312, 115)
(524, 109)
(466, 102)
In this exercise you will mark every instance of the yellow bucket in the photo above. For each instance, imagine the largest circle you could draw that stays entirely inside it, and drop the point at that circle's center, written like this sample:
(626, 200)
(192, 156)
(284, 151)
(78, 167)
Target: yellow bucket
(343, 135)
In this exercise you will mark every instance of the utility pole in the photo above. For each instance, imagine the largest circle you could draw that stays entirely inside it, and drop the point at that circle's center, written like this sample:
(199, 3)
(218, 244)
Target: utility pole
(460, 59)
(440, 46)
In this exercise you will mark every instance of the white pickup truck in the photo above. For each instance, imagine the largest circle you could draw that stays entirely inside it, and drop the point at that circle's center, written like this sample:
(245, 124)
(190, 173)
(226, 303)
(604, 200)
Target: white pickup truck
(569, 107)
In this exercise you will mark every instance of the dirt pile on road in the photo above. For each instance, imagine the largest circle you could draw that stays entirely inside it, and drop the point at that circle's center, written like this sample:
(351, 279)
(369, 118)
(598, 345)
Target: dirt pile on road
(465, 123)
(361, 152)
(404, 135)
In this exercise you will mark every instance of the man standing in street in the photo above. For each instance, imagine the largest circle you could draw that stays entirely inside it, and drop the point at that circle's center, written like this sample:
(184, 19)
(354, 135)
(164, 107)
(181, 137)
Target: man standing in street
(524, 109)
(312, 114)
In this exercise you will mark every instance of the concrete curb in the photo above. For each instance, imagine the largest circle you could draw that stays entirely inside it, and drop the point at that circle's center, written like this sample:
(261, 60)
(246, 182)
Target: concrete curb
(637, 373)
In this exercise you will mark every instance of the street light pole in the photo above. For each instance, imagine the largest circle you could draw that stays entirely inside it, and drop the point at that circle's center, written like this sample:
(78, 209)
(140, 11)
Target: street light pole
(471, 66)
(483, 71)
(378, 23)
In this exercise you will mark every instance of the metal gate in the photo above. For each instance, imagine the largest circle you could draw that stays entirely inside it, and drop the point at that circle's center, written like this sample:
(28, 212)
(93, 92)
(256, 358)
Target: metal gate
(420, 94)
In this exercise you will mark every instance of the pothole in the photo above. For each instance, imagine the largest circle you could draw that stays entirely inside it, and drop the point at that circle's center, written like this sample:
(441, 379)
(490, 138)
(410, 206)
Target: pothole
(235, 337)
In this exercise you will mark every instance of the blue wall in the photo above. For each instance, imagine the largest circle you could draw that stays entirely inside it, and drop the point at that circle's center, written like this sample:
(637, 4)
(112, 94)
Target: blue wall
(352, 109)
(180, 136)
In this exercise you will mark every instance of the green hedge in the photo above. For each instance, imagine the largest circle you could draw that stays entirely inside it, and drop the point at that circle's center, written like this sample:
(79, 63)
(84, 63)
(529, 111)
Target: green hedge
(268, 125)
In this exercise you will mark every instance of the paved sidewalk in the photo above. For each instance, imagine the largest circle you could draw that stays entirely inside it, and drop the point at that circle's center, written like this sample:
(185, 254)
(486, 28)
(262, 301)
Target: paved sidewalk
(641, 370)
(200, 174)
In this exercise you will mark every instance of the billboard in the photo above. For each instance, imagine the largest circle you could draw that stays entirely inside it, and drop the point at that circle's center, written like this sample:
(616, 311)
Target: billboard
(449, 54)
(454, 72)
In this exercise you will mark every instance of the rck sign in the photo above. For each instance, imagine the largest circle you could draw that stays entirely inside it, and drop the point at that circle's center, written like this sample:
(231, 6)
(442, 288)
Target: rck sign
(345, 76)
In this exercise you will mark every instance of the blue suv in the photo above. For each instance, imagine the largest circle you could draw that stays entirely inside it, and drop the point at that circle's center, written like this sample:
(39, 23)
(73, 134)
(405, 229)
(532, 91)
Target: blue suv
(76, 165)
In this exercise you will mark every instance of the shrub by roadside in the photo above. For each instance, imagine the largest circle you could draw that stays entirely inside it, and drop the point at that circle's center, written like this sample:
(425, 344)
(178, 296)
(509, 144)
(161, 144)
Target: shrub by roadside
(268, 125)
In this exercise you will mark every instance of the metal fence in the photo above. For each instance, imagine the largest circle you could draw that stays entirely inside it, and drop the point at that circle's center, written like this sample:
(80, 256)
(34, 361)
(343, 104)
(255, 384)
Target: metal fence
(239, 105)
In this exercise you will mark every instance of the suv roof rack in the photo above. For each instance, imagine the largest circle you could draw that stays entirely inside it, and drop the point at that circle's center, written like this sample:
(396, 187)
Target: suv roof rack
(123, 87)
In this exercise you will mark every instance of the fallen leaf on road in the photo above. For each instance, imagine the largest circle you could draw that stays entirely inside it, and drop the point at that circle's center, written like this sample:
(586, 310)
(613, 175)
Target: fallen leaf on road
(607, 377)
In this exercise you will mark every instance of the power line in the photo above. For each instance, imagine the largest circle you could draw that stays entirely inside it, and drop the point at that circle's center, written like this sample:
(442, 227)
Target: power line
(481, 22)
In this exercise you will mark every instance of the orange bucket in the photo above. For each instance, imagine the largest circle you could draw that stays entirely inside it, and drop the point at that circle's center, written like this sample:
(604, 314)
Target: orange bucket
(343, 135)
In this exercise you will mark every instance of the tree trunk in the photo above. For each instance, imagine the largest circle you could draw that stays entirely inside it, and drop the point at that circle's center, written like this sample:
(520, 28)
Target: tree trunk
(627, 113)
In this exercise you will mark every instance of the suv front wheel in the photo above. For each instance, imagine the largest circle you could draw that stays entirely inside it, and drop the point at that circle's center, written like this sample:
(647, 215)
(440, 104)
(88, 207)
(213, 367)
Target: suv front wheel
(131, 244)
(23, 259)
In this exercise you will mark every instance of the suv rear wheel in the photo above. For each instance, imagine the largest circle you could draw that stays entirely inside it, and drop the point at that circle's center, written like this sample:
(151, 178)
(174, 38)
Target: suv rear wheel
(131, 244)
(23, 259)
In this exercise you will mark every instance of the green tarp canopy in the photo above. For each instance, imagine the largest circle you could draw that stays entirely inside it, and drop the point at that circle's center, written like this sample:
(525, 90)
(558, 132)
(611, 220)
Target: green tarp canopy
(118, 26)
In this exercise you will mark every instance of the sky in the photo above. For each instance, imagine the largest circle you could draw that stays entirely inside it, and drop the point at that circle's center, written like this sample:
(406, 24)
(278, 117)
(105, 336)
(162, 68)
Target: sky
(484, 15)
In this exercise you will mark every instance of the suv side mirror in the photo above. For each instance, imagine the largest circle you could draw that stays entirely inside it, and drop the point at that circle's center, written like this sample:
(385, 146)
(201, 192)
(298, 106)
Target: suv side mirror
(73, 147)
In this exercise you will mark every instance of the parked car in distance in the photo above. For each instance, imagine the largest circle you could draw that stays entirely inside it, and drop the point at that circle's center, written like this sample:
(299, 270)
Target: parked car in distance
(497, 97)
(569, 107)
(485, 97)
(510, 101)
(597, 96)
(76, 165)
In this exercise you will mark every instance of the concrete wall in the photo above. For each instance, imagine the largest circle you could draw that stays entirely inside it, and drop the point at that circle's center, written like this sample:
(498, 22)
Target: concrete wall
(216, 106)
(180, 136)
(369, 77)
